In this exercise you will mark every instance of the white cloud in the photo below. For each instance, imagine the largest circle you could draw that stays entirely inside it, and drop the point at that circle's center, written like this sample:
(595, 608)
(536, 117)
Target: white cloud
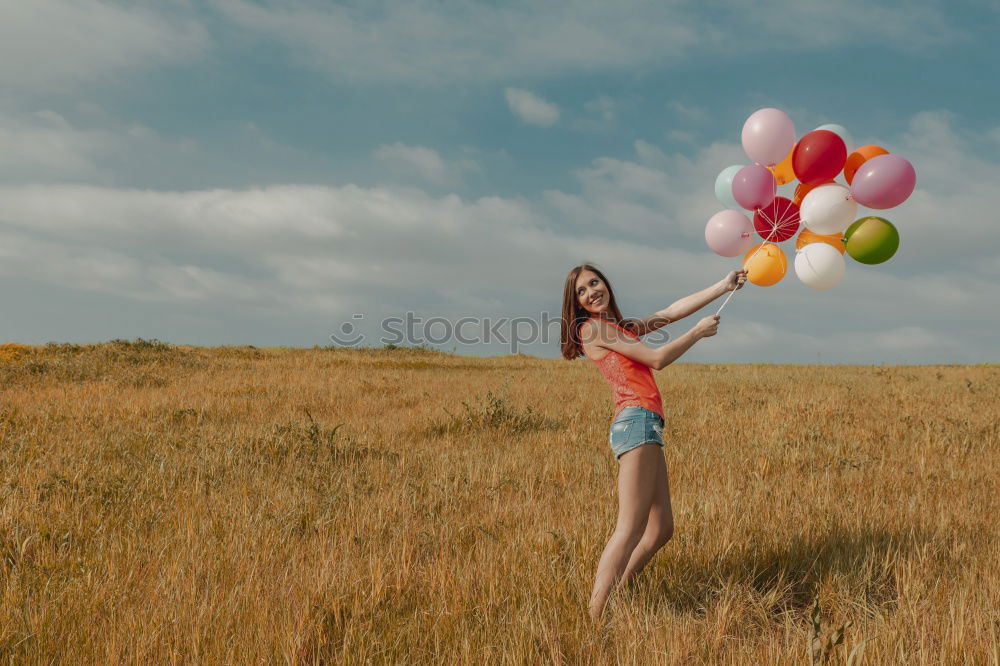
(689, 112)
(821, 24)
(335, 250)
(602, 106)
(426, 163)
(681, 136)
(44, 145)
(602, 113)
(92, 146)
(426, 42)
(94, 268)
(531, 108)
(748, 341)
(56, 46)
(908, 338)
(671, 196)
(649, 154)
(289, 246)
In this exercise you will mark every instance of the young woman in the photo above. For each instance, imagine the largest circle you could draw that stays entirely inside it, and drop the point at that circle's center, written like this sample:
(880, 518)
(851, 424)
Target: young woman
(592, 325)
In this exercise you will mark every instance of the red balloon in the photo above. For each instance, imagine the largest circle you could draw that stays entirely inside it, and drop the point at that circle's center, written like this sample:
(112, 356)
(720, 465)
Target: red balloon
(818, 156)
(778, 221)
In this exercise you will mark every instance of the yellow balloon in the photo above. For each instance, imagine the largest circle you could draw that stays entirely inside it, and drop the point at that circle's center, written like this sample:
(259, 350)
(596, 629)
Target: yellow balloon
(767, 266)
(783, 172)
(806, 237)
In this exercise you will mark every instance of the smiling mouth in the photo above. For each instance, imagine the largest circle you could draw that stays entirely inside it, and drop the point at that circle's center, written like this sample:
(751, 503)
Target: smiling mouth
(597, 300)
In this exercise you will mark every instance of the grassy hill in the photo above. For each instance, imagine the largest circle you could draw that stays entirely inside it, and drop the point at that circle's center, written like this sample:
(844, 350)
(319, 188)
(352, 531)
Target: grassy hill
(166, 504)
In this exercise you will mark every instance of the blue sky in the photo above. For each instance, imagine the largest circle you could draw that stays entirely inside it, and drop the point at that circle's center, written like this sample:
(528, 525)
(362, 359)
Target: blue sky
(236, 172)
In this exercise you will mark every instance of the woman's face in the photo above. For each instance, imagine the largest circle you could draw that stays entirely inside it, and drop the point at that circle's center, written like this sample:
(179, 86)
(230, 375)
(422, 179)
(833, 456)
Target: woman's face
(591, 293)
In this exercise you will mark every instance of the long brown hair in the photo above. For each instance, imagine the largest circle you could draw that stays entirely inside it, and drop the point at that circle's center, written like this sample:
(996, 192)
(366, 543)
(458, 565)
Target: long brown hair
(573, 314)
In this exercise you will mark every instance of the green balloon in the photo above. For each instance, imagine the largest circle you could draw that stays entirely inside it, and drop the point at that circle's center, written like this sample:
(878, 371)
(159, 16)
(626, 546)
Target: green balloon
(871, 240)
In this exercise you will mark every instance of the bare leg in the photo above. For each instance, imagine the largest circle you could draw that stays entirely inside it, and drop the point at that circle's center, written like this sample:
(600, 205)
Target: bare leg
(659, 524)
(637, 482)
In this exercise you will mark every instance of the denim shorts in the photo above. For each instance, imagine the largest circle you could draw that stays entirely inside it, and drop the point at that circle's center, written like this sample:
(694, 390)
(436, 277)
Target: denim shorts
(633, 427)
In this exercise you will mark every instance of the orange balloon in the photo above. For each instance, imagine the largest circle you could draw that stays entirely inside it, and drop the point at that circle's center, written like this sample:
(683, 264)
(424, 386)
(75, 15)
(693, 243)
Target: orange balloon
(859, 157)
(783, 172)
(806, 237)
(767, 266)
(802, 190)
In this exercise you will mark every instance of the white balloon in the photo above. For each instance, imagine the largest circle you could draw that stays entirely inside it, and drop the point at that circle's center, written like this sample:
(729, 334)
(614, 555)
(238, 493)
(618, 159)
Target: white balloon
(828, 209)
(819, 265)
(842, 132)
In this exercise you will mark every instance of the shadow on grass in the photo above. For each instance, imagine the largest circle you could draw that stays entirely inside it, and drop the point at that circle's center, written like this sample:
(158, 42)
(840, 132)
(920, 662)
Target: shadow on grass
(788, 576)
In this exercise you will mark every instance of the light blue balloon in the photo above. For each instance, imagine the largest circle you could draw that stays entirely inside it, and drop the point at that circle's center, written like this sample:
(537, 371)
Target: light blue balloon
(840, 131)
(724, 187)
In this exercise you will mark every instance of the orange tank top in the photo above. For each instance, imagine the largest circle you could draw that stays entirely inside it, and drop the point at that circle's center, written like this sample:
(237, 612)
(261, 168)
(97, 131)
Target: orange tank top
(631, 382)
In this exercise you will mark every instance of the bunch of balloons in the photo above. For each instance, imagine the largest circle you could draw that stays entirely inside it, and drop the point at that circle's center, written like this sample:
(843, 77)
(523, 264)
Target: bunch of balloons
(824, 208)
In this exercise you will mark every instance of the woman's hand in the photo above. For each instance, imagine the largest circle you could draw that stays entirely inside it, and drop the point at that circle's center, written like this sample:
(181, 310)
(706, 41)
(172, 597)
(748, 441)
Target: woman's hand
(707, 327)
(735, 280)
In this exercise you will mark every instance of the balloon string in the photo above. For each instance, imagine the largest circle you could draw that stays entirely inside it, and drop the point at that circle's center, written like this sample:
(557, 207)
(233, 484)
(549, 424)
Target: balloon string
(726, 301)
(774, 230)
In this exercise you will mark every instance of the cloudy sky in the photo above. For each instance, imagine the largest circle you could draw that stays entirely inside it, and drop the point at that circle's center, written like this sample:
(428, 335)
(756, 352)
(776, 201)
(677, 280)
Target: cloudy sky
(253, 172)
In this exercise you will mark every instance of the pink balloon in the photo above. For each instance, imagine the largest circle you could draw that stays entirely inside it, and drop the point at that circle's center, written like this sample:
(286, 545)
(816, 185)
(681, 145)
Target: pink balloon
(729, 233)
(754, 186)
(883, 181)
(768, 136)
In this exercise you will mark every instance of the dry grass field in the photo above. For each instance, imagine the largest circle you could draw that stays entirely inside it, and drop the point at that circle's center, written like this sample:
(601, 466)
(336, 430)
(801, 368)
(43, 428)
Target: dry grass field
(164, 504)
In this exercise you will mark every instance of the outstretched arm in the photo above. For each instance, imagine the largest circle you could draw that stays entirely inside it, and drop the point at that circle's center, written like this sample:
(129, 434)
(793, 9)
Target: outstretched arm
(604, 336)
(691, 304)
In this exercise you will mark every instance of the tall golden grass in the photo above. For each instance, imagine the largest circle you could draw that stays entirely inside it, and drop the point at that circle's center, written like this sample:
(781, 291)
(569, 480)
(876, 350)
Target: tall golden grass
(166, 504)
